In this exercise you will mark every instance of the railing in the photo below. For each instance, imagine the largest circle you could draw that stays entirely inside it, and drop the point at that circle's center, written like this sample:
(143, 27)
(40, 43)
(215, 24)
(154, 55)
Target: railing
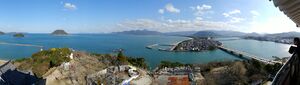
(289, 72)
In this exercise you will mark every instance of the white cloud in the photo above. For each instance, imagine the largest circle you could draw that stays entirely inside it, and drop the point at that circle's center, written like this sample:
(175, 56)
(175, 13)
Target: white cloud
(174, 25)
(203, 7)
(170, 8)
(233, 12)
(236, 11)
(70, 6)
(236, 20)
(255, 13)
(161, 11)
(273, 24)
(226, 14)
(199, 18)
(171, 25)
(232, 16)
(200, 10)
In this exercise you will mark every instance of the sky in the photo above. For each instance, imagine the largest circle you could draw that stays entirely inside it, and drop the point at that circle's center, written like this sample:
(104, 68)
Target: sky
(105, 16)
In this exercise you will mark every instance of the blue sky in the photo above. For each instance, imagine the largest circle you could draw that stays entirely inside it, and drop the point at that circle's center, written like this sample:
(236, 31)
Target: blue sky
(104, 16)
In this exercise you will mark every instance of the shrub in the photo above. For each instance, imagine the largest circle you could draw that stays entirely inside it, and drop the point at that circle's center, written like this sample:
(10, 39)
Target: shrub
(42, 61)
(171, 64)
(138, 62)
(121, 58)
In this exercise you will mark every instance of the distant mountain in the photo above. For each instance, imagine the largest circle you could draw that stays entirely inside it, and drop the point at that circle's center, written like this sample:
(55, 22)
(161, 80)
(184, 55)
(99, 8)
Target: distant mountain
(59, 32)
(181, 33)
(229, 33)
(139, 32)
(214, 33)
(284, 34)
(206, 34)
(254, 34)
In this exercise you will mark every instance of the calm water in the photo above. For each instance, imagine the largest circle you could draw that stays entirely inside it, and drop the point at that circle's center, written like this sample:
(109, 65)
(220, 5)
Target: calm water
(135, 46)
(263, 49)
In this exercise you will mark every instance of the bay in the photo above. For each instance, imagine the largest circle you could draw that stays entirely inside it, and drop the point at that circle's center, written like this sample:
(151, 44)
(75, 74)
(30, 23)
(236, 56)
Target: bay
(105, 43)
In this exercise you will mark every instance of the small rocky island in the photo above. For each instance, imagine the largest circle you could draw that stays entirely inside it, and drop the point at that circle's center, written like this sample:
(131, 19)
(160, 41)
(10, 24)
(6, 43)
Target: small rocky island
(2, 33)
(59, 32)
(197, 44)
(19, 35)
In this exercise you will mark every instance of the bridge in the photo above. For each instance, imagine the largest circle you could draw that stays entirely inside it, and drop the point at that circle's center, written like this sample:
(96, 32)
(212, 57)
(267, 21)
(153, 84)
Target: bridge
(247, 55)
(151, 46)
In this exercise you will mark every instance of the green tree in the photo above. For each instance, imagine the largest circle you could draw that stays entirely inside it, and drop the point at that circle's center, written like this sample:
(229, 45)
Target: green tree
(272, 69)
(121, 58)
(257, 64)
(211, 48)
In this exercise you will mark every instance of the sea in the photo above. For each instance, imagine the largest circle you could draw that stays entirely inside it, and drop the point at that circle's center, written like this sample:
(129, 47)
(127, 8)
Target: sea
(135, 46)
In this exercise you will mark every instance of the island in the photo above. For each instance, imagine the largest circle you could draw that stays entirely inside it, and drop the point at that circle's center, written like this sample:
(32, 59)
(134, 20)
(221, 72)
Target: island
(197, 44)
(19, 35)
(2, 33)
(59, 32)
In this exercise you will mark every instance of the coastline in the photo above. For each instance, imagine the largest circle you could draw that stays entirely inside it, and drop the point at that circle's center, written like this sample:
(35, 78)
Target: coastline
(2, 62)
(267, 41)
(176, 44)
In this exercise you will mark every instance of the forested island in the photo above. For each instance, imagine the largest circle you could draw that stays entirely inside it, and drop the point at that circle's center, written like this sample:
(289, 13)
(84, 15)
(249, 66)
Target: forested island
(59, 32)
(19, 35)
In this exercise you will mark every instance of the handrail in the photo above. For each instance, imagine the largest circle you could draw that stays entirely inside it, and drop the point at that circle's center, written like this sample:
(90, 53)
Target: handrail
(282, 74)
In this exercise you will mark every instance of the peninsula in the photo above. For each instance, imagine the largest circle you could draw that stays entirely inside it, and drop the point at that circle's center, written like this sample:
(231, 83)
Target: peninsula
(197, 44)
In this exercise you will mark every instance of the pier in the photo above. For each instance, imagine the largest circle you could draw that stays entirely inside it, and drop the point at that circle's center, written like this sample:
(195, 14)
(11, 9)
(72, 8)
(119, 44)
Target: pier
(172, 46)
(247, 55)
(151, 46)
(175, 44)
